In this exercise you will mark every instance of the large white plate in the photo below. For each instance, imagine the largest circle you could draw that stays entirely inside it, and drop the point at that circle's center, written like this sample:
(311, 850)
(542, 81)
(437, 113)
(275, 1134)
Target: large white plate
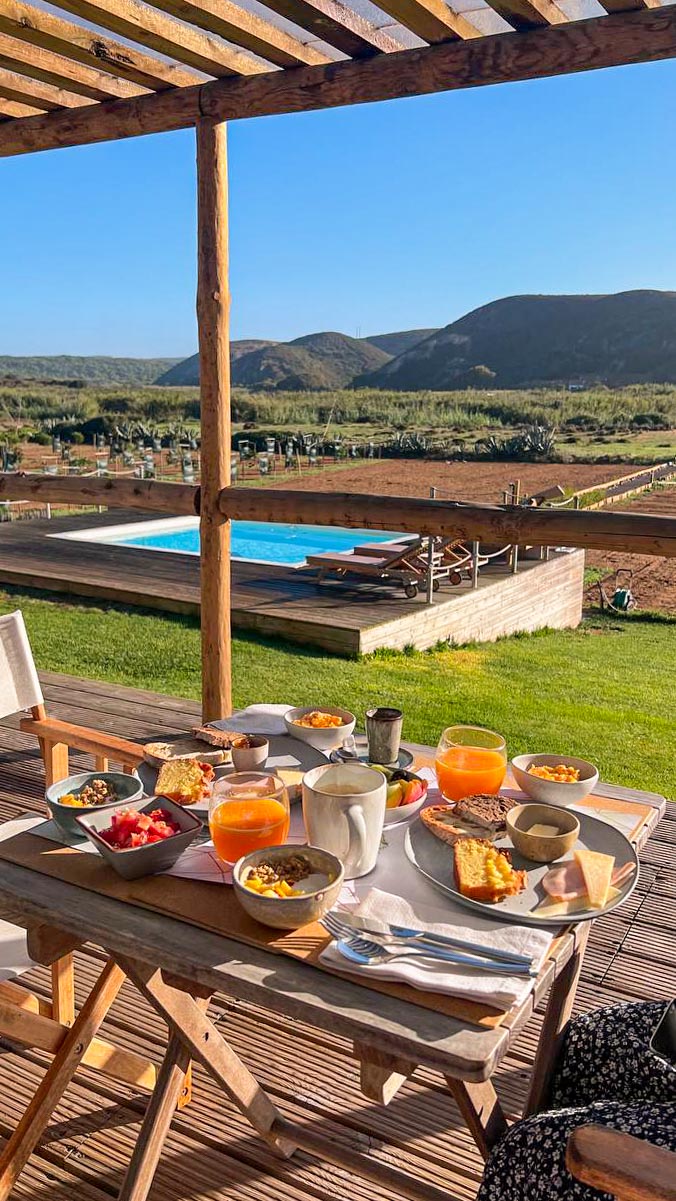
(434, 860)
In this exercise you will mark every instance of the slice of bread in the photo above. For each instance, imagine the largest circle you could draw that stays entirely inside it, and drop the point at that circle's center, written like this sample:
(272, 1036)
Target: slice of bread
(484, 873)
(221, 738)
(486, 809)
(443, 822)
(185, 781)
(159, 753)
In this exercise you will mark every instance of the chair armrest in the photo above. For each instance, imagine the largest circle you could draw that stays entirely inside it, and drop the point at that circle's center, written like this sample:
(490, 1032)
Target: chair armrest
(628, 1167)
(81, 738)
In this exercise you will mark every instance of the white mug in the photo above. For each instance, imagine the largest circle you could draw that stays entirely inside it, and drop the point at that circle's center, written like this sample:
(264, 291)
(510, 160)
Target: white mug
(344, 812)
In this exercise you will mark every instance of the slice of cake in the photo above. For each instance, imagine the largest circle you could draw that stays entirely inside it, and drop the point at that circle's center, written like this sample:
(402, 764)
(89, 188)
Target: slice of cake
(185, 781)
(484, 873)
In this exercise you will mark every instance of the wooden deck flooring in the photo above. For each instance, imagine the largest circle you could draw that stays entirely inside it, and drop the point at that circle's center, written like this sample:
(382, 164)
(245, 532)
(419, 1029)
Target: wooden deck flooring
(211, 1154)
(345, 618)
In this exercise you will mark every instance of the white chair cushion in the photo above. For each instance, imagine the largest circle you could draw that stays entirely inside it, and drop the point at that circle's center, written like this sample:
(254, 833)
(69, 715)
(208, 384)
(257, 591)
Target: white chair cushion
(19, 684)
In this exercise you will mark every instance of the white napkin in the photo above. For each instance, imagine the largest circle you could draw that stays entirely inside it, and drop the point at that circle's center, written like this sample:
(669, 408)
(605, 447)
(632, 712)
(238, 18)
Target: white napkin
(498, 990)
(257, 719)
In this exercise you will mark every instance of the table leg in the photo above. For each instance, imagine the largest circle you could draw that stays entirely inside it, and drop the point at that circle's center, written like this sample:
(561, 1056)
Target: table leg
(63, 990)
(157, 1120)
(482, 1111)
(199, 1034)
(557, 1015)
(381, 1076)
(58, 1076)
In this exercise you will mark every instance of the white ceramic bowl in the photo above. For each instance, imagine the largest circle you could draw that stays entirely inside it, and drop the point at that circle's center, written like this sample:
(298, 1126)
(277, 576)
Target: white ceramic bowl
(402, 813)
(321, 740)
(548, 792)
(252, 757)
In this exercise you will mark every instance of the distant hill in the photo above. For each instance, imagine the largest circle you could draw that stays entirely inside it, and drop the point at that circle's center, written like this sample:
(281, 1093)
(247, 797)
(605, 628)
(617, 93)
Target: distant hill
(91, 369)
(187, 372)
(395, 344)
(523, 341)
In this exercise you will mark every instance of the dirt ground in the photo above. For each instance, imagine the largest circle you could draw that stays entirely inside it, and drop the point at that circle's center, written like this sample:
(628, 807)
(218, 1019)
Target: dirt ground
(460, 481)
(653, 581)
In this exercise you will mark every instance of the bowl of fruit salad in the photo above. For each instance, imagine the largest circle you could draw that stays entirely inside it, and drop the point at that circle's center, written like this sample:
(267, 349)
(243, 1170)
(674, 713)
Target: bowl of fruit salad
(142, 838)
(90, 792)
(554, 779)
(287, 887)
(406, 794)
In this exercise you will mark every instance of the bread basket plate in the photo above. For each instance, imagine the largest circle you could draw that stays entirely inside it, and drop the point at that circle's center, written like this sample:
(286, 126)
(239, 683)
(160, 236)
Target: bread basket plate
(288, 757)
(434, 860)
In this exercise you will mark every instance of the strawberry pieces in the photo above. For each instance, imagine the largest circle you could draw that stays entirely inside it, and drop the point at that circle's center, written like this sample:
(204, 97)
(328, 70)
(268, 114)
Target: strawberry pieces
(130, 829)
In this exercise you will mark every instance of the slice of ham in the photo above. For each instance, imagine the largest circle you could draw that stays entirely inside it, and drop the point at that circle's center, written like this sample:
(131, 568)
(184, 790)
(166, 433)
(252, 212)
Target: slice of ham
(566, 882)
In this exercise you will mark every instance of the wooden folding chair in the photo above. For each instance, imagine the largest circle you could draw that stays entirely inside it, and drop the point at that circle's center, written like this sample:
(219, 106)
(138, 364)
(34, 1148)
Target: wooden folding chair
(23, 1017)
(629, 1168)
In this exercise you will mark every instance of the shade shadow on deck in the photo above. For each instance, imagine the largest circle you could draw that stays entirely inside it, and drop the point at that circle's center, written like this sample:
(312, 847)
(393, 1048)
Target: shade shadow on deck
(211, 1152)
(346, 617)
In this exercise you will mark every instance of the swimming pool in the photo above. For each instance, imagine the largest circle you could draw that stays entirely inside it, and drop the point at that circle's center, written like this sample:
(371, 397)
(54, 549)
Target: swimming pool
(255, 541)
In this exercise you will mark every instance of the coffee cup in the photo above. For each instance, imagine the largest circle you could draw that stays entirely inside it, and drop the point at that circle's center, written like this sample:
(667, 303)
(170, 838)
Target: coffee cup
(344, 812)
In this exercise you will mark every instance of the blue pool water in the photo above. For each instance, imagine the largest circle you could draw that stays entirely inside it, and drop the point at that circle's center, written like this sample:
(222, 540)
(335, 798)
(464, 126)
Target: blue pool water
(264, 541)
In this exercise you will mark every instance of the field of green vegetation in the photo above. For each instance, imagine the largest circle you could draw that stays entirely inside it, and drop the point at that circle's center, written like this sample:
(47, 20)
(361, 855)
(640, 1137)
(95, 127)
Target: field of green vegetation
(633, 423)
(603, 691)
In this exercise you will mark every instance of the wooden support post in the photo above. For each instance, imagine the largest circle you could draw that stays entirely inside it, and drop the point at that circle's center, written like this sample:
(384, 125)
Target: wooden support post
(557, 1016)
(381, 1076)
(213, 310)
(482, 1111)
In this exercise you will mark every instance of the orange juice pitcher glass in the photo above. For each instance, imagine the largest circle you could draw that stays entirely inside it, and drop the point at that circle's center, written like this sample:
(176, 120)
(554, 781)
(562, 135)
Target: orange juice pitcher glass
(248, 810)
(470, 760)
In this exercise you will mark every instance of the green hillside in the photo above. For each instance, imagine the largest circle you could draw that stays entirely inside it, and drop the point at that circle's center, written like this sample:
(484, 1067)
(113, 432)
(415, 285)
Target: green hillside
(90, 369)
(398, 343)
(187, 372)
(526, 341)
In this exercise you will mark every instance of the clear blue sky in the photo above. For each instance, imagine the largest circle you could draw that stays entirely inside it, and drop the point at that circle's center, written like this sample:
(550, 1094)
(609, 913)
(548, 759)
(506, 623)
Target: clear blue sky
(366, 219)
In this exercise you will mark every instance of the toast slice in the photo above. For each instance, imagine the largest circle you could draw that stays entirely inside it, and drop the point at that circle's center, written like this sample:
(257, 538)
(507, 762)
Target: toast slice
(484, 873)
(487, 810)
(443, 822)
(224, 739)
(159, 753)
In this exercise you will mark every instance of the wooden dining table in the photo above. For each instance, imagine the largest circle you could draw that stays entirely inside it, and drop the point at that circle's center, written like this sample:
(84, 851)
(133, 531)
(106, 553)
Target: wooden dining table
(178, 968)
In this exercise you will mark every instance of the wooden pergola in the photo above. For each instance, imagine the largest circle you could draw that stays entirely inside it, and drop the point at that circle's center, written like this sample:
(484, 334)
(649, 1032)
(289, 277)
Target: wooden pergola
(124, 68)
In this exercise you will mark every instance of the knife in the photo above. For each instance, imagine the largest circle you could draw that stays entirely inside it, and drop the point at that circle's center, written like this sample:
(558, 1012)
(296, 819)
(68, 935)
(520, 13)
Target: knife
(380, 929)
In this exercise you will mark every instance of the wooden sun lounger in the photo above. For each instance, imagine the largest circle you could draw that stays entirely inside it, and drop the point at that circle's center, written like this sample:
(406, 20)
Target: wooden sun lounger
(403, 566)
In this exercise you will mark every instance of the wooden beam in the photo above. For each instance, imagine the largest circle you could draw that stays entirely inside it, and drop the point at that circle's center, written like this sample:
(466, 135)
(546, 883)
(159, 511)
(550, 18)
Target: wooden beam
(609, 41)
(338, 25)
(529, 14)
(431, 20)
(33, 25)
(625, 6)
(152, 495)
(246, 29)
(496, 524)
(143, 24)
(52, 68)
(213, 312)
(44, 97)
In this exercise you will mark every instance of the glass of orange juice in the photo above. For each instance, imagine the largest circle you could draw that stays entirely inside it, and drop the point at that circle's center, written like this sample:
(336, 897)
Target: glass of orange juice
(470, 760)
(248, 810)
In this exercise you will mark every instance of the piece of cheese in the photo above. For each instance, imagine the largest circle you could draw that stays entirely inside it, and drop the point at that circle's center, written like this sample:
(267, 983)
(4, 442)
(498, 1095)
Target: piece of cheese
(550, 908)
(544, 831)
(597, 870)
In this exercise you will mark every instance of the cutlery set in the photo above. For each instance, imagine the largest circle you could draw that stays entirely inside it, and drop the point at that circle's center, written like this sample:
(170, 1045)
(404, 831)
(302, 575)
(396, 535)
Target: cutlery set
(373, 941)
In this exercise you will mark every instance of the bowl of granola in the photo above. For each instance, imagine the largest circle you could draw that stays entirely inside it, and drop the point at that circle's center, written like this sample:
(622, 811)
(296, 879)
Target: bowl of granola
(287, 887)
(89, 792)
(323, 728)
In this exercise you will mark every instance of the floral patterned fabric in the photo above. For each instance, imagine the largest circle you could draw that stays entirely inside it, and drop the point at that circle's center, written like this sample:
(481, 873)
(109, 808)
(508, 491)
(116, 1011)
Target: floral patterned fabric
(606, 1074)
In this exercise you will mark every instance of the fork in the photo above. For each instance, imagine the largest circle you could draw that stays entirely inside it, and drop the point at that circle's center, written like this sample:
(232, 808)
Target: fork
(364, 952)
(402, 934)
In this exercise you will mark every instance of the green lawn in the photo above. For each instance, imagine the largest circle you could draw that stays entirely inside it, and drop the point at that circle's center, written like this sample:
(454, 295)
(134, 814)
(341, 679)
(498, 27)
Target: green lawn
(604, 691)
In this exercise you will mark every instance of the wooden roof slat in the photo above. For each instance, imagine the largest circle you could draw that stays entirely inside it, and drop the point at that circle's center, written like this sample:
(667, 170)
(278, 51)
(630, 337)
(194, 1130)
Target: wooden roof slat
(431, 20)
(644, 36)
(149, 27)
(245, 29)
(13, 108)
(41, 96)
(529, 14)
(52, 68)
(40, 28)
(337, 25)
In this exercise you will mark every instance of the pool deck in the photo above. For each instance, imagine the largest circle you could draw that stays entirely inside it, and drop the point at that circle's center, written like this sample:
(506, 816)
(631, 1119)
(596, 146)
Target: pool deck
(347, 618)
